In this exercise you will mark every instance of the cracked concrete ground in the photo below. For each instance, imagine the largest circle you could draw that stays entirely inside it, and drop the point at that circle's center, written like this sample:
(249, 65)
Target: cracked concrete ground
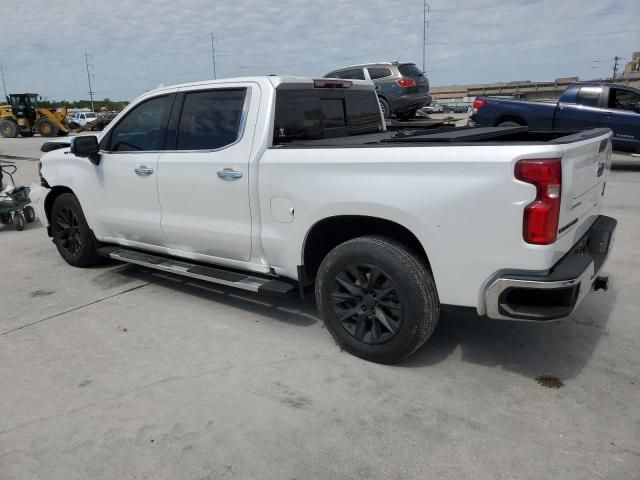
(118, 372)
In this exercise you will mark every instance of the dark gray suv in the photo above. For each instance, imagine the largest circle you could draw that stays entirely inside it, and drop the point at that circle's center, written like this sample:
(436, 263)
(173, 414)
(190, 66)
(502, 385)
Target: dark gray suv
(401, 87)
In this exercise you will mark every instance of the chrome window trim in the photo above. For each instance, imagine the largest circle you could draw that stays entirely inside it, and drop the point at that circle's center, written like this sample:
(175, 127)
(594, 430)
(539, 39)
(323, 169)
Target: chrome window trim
(241, 127)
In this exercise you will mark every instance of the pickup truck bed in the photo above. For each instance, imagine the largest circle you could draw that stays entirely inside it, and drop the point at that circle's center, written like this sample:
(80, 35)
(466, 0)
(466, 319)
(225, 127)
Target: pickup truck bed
(581, 106)
(273, 183)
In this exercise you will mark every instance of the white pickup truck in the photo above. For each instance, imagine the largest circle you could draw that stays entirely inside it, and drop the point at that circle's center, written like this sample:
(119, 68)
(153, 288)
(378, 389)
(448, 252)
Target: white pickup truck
(275, 184)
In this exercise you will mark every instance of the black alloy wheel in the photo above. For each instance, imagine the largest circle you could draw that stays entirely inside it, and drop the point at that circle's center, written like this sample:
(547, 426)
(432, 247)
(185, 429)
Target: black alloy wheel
(67, 231)
(367, 304)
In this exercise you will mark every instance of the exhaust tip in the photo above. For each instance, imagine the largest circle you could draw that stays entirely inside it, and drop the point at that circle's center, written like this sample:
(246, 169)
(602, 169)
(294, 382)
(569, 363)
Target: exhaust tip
(601, 283)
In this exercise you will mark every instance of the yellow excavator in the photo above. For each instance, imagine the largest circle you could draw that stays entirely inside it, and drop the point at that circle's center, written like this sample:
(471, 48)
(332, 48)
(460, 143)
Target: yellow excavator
(22, 116)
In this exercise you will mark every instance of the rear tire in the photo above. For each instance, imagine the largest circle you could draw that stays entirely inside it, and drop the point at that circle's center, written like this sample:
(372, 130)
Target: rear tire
(18, 221)
(71, 233)
(47, 127)
(377, 299)
(9, 128)
(509, 123)
(29, 214)
(384, 106)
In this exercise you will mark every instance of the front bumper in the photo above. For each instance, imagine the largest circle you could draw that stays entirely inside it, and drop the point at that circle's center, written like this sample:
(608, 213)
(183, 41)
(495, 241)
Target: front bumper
(539, 296)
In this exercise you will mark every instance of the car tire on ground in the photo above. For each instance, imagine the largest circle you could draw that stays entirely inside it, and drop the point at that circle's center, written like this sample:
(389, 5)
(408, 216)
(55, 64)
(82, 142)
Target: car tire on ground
(377, 298)
(71, 233)
(384, 106)
(47, 127)
(509, 123)
(9, 128)
(29, 214)
(5, 218)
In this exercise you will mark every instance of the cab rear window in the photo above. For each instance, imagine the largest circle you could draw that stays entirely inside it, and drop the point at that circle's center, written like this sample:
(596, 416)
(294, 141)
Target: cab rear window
(314, 113)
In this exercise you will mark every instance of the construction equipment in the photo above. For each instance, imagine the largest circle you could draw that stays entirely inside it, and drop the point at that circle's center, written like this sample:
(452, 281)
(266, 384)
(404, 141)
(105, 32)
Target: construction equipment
(22, 116)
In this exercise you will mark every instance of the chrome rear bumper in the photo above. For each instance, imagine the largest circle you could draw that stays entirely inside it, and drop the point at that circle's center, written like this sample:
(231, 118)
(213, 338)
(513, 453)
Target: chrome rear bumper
(554, 294)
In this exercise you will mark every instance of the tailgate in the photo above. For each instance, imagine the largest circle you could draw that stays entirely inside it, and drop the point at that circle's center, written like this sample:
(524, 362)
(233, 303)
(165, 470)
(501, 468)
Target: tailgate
(585, 165)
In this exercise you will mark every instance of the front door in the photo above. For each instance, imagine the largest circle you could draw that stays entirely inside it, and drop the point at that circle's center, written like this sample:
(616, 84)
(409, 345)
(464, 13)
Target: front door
(623, 117)
(203, 183)
(124, 184)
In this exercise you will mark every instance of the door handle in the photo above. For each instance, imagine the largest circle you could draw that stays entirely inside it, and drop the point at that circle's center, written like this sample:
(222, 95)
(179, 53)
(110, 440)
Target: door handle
(229, 174)
(143, 171)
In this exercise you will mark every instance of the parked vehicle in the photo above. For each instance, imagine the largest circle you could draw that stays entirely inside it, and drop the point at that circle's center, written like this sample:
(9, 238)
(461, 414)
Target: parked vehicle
(82, 118)
(455, 108)
(433, 108)
(276, 184)
(581, 106)
(401, 87)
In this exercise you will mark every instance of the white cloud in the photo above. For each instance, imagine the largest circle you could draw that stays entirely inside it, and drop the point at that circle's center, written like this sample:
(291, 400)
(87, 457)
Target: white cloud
(135, 45)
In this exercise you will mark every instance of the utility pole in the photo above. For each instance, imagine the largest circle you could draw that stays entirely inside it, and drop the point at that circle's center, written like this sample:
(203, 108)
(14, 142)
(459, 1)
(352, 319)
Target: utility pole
(615, 66)
(213, 55)
(86, 61)
(4, 82)
(425, 10)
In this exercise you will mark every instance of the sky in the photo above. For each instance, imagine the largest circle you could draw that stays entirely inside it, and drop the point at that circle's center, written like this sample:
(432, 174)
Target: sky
(135, 46)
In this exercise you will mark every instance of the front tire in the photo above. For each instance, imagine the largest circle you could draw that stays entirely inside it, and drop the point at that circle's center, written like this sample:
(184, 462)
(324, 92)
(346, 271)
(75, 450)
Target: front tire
(71, 233)
(47, 128)
(377, 299)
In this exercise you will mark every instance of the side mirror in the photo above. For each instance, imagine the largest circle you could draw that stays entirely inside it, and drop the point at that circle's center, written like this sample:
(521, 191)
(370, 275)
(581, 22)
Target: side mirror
(86, 146)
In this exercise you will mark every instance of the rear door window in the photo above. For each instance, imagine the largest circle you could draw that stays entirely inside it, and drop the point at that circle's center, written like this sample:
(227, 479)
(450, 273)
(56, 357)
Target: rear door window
(589, 96)
(379, 72)
(210, 119)
(621, 99)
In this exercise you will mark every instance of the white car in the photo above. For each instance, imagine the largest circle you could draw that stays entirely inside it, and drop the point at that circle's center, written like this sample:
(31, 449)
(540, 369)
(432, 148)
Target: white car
(276, 184)
(82, 118)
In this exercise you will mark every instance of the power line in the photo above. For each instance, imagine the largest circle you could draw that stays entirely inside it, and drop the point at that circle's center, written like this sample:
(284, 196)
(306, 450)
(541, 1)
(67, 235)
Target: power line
(86, 60)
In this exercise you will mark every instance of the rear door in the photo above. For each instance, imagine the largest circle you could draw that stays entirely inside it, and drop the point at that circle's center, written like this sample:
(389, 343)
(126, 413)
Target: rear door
(203, 180)
(582, 112)
(622, 115)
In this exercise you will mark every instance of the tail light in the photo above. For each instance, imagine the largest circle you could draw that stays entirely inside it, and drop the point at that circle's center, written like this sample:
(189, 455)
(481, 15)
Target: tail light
(406, 82)
(477, 103)
(540, 223)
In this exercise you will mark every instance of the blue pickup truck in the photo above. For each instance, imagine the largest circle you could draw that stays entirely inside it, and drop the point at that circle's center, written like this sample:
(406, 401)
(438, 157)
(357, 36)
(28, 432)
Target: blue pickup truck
(581, 106)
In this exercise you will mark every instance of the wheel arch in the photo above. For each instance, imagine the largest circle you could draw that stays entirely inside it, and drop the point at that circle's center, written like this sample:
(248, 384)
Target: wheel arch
(55, 192)
(329, 232)
(510, 117)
